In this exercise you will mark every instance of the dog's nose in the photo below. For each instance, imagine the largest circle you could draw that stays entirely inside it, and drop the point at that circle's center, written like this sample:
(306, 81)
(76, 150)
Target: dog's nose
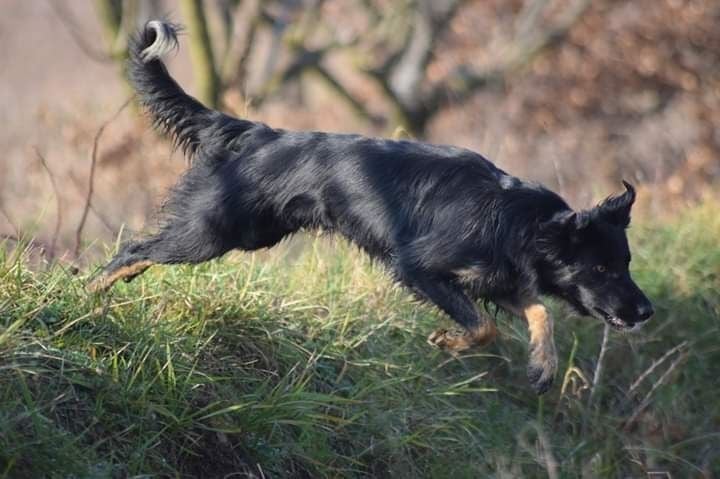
(645, 311)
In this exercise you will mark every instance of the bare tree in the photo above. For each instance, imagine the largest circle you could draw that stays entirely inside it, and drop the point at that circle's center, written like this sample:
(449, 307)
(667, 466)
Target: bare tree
(201, 52)
(402, 74)
(406, 50)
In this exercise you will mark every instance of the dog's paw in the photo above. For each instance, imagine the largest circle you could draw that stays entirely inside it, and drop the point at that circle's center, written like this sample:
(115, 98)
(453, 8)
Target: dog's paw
(98, 285)
(541, 379)
(541, 371)
(109, 277)
(451, 340)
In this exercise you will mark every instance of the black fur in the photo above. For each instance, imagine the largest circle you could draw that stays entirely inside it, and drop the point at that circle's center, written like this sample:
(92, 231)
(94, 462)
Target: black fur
(429, 213)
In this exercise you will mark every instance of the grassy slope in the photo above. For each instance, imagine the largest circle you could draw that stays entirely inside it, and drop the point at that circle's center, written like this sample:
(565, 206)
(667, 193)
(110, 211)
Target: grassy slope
(308, 362)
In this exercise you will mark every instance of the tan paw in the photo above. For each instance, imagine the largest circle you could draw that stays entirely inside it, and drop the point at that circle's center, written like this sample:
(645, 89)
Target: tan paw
(456, 340)
(542, 367)
(105, 281)
(97, 285)
(452, 340)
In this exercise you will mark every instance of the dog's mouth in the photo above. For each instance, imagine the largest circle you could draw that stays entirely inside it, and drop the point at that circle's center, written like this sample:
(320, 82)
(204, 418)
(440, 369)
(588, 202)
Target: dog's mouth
(614, 321)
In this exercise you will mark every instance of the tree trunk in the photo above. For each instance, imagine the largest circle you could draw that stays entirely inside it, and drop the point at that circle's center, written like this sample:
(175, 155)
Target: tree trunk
(201, 53)
(110, 13)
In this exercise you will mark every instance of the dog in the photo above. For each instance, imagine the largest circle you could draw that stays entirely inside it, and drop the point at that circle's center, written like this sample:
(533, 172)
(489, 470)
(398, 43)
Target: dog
(447, 223)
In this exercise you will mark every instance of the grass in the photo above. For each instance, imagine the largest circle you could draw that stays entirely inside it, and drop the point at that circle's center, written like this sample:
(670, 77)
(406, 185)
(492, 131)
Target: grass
(308, 362)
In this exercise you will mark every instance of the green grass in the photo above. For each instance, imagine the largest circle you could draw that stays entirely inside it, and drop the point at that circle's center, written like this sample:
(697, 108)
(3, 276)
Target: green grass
(308, 362)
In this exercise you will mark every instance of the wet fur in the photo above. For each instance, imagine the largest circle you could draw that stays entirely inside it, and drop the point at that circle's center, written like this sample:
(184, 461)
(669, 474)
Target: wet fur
(449, 225)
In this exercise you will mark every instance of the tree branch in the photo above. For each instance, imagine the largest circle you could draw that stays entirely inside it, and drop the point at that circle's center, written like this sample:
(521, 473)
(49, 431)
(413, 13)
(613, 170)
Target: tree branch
(234, 65)
(356, 105)
(113, 230)
(402, 73)
(408, 71)
(226, 10)
(91, 177)
(201, 52)
(111, 13)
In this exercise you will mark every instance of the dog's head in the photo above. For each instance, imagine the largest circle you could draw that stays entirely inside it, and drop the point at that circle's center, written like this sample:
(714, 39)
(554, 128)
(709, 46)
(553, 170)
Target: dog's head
(587, 259)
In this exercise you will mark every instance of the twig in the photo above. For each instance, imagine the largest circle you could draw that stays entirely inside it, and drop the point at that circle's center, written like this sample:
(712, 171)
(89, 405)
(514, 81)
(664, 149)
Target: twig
(596, 376)
(543, 454)
(646, 401)
(234, 64)
(58, 201)
(202, 56)
(357, 106)
(101, 217)
(599, 366)
(9, 220)
(654, 366)
(91, 177)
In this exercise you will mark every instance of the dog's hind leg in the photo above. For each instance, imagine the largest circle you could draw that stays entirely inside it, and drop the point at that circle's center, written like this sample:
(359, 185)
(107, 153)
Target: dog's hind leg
(114, 272)
(174, 244)
(451, 299)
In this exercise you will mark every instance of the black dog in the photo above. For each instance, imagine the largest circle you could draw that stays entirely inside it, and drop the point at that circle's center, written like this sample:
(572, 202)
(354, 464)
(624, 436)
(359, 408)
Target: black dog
(449, 225)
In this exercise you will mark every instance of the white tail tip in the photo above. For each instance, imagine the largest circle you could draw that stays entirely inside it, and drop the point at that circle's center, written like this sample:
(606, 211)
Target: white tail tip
(165, 40)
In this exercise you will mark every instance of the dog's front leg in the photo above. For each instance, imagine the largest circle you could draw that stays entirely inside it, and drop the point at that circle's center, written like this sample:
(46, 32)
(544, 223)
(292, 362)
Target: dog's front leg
(450, 298)
(543, 358)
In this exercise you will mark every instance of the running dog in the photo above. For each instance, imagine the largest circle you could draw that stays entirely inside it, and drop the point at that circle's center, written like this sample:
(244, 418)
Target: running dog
(447, 223)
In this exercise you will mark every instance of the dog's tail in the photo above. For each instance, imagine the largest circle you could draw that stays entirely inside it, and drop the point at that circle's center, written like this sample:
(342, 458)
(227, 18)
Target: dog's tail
(172, 110)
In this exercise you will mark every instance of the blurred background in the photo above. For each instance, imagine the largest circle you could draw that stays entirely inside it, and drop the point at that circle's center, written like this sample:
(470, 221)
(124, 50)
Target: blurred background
(331, 377)
(573, 93)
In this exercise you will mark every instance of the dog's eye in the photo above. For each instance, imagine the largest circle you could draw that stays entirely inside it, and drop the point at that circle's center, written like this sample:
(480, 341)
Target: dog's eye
(600, 268)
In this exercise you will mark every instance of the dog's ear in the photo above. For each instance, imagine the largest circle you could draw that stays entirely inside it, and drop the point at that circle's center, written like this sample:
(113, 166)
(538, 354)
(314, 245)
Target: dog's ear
(616, 209)
(563, 230)
(567, 222)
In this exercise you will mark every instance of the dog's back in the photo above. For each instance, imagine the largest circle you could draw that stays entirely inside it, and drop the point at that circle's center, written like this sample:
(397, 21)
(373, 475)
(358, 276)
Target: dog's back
(423, 210)
(266, 183)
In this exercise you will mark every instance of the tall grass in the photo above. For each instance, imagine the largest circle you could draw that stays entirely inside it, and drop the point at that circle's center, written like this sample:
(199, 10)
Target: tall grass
(308, 362)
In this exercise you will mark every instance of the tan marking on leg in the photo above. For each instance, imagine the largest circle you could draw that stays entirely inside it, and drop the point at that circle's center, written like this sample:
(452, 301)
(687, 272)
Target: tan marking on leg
(484, 334)
(539, 323)
(543, 358)
(455, 340)
(105, 281)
